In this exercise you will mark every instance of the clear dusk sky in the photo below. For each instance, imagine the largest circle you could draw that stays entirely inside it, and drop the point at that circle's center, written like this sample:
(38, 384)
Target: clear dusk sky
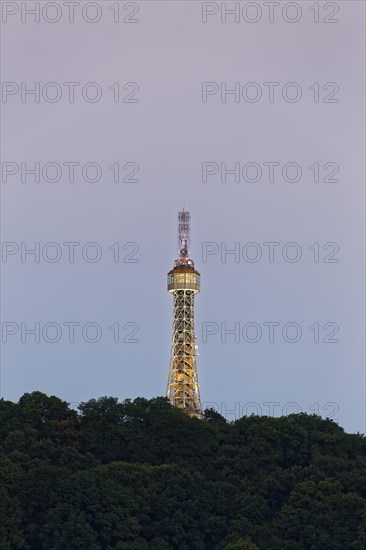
(172, 96)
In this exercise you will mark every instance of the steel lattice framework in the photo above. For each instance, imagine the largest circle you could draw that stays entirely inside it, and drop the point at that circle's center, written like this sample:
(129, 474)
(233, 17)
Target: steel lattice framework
(183, 284)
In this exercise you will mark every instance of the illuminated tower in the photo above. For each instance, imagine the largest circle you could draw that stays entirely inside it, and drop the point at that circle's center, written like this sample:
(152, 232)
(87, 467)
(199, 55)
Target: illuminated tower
(183, 283)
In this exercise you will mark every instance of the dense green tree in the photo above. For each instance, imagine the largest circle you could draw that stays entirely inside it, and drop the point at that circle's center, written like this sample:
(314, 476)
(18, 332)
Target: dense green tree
(11, 534)
(141, 475)
(320, 515)
(241, 544)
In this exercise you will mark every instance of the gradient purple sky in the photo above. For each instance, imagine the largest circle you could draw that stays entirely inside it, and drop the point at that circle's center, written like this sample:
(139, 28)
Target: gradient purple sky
(170, 133)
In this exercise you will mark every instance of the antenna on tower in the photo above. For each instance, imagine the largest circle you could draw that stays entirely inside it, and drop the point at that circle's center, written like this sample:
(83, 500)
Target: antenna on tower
(184, 239)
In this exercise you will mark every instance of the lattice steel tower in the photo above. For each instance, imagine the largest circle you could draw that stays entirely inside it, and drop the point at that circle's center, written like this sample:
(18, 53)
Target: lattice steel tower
(183, 283)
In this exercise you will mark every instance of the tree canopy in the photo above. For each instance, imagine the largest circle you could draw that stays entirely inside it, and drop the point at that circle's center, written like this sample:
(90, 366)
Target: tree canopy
(141, 475)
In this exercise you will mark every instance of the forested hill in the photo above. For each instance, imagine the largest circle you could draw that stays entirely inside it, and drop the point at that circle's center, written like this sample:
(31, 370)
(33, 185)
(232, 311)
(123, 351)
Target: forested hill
(142, 476)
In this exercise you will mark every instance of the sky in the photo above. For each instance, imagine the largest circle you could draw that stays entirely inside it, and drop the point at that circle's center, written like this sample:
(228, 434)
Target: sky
(254, 122)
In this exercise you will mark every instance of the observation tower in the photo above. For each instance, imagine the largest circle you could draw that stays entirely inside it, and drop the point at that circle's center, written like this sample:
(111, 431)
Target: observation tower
(183, 283)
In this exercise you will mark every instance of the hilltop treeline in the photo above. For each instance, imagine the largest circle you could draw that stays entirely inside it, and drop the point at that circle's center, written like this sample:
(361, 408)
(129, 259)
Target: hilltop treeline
(142, 476)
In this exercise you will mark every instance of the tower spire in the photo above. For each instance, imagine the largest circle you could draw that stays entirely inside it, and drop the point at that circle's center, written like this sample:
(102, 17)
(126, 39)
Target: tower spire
(183, 236)
(183, 284)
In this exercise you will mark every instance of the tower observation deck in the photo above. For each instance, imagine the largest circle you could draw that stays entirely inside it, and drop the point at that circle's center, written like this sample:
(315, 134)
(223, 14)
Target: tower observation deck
(183, 283)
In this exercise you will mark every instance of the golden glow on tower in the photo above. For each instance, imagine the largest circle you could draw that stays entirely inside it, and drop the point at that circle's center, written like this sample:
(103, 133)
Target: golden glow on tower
(183, 284)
